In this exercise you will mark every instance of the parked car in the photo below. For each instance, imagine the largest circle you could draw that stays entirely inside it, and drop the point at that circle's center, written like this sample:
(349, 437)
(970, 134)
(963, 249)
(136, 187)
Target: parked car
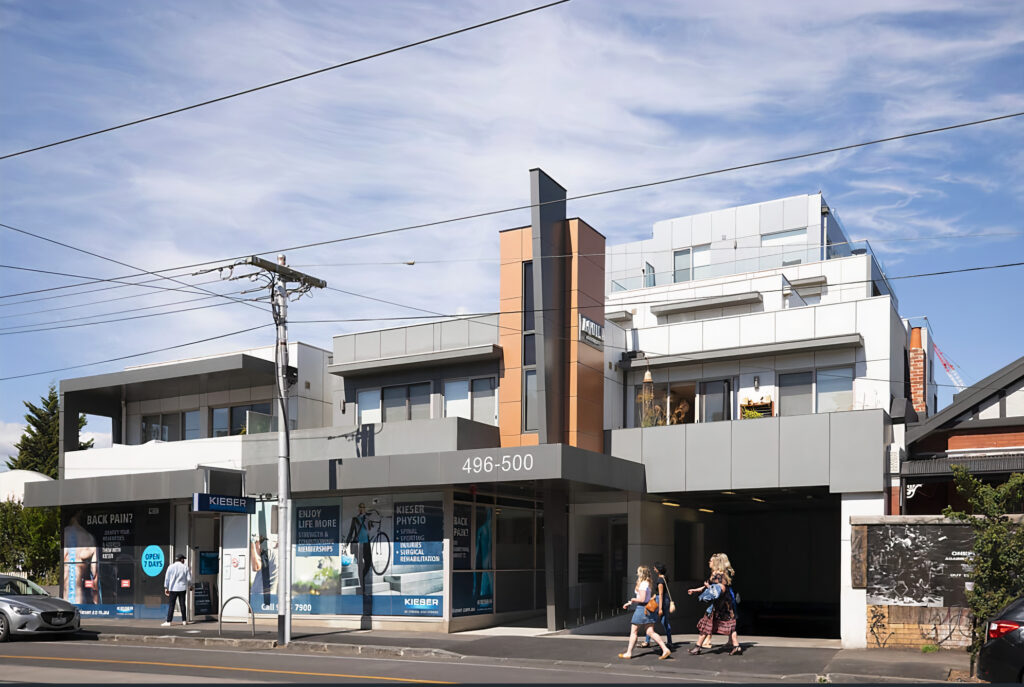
(1002, 656)
(26, 609)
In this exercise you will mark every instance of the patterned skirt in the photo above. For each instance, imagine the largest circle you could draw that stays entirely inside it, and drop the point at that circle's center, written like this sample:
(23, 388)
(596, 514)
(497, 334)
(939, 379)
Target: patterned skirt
(709, 625)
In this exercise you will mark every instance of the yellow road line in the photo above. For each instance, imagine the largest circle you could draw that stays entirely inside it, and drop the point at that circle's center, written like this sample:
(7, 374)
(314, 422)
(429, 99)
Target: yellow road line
(244, 670)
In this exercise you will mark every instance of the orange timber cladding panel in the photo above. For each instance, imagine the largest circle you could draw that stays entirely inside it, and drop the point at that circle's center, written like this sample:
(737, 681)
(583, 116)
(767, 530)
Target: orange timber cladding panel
(584, 294)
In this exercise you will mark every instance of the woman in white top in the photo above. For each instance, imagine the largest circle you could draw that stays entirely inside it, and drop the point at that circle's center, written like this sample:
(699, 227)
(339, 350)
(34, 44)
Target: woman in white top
(642, 618)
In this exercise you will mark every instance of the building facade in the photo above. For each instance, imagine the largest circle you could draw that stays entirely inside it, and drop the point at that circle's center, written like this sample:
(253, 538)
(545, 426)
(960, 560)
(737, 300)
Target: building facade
(739, 382)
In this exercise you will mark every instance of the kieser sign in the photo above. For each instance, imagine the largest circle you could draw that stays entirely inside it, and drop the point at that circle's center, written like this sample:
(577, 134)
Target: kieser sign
(223, 504)
(591, 332)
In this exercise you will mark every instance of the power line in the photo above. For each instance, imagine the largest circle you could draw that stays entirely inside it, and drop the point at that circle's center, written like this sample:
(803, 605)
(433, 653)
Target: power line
(83, 305)
(284, 81)
(137, 355)
(491, 213)
(117, 262)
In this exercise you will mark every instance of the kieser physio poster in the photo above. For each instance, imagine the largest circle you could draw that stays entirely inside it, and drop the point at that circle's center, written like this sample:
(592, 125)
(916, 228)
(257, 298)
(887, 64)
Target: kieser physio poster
(374, 554)
(114, 559)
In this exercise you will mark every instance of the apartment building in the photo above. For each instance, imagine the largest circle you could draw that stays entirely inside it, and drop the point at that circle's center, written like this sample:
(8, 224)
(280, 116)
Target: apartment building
(739, 382)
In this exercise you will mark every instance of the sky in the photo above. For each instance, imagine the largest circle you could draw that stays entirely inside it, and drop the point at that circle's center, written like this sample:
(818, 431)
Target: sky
(598, 93)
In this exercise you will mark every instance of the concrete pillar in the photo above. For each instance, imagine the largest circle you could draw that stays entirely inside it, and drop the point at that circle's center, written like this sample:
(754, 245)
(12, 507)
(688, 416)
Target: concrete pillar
(556, 555)
(853, 621)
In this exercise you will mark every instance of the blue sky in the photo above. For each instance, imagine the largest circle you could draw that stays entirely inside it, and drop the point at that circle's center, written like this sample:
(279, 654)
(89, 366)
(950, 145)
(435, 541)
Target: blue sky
(598, 93)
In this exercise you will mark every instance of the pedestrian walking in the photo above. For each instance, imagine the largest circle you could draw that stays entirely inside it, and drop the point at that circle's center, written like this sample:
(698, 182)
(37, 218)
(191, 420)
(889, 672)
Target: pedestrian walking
(720, 616)
(177, 581)
(645, 614)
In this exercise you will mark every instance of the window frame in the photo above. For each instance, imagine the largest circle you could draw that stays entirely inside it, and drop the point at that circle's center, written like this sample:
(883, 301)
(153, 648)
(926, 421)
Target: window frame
(470, 397)
(408, 402)
(814, 388)
(852, 367)
(181, 425)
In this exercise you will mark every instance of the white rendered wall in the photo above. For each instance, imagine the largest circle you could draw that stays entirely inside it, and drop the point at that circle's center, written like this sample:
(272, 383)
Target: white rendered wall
(853, 602)
(119, 459)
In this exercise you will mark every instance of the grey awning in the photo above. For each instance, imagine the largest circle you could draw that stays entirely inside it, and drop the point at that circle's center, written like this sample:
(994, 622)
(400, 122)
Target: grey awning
(445, 468)
(778, 348)
(619, 316)
(976, 464)
(451, 355)
(148, 486)
(696, 304)
(95, 393)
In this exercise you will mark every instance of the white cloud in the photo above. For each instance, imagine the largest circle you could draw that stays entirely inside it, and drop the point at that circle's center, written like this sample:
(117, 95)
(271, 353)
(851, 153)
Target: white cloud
(10, 434)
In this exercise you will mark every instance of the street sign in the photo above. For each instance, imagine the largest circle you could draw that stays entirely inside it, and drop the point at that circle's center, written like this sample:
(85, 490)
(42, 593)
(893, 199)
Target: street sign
(218, 503)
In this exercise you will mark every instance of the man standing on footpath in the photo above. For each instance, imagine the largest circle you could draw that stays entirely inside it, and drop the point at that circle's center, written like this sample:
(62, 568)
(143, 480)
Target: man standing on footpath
(177, 580)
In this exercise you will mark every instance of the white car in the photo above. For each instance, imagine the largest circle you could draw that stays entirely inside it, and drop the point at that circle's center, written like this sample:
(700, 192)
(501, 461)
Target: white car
(26, 609)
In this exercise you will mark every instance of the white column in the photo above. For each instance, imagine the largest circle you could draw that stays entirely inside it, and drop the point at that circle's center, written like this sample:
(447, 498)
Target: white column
(853, 602)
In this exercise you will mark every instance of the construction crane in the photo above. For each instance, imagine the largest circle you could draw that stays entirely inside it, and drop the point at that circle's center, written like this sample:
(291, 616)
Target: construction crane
(950, 369)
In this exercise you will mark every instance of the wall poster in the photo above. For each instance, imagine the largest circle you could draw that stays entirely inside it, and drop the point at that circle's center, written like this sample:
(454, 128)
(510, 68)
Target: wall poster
(114, 558)
(473, 592)
(367, 555)
(918, 565)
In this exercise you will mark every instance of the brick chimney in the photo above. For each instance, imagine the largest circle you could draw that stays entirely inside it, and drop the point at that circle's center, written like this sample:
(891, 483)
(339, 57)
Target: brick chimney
(918, 387)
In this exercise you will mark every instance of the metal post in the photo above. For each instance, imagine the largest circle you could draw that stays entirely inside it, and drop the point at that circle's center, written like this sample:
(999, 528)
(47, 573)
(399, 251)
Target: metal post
(284, 577)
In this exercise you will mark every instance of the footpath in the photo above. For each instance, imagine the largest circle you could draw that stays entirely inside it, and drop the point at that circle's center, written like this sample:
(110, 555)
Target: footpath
(765, 659)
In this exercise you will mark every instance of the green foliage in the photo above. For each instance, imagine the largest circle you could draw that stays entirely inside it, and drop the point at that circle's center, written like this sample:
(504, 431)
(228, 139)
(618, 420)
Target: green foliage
(31, 539)
(750, 414)
(929, 649)
(997, 563)
(39, 444)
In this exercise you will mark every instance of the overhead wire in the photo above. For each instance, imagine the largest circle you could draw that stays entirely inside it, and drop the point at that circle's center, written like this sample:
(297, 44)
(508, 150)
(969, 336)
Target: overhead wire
(283, 81)
(529, 206)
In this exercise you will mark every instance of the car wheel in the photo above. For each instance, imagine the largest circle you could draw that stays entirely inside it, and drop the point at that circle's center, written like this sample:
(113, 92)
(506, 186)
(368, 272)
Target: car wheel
(5, 628)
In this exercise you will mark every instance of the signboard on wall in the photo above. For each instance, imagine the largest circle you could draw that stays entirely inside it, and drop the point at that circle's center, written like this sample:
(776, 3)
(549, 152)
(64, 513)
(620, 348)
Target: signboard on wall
(219, 503)
(918, 565)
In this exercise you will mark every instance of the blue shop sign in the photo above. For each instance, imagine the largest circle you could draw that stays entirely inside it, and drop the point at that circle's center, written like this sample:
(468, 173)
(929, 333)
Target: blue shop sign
(223, 504)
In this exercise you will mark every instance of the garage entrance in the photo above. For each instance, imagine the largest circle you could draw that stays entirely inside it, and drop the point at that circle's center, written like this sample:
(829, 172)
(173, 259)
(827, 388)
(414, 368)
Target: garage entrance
(785, 547)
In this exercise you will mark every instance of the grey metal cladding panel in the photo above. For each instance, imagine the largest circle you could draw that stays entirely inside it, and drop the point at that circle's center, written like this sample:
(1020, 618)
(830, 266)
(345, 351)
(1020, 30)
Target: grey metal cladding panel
(42, 494)
(392, 342)
(344, 349)
(170, 372)
(755, 453)
(455, 334)
(419, 339)
(857, 451)
(473, 435)
(423, 361)
(416, 436)
(367, 345)
(627, 444)
(804, 450)
(421, 469)
(664, 457)
(483, 330)
(756, 351)
(314, 475)
(709, 456)
(363, 473)
(696, 304)
(261, 479)
(603, 470)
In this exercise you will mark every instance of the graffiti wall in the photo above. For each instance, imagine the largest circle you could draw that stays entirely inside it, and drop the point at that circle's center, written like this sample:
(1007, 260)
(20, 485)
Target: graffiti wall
(915, 576)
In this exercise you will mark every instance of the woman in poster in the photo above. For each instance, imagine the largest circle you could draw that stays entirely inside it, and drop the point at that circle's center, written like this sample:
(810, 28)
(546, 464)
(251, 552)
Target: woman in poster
(81, 582)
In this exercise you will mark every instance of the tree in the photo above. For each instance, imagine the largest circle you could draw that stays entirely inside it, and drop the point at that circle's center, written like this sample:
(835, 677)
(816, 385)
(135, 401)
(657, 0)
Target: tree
(997, 562)
(31, 539)
(38, 448)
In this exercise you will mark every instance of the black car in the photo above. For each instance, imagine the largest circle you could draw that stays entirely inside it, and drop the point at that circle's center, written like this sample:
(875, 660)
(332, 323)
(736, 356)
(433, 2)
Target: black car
(1002, 656)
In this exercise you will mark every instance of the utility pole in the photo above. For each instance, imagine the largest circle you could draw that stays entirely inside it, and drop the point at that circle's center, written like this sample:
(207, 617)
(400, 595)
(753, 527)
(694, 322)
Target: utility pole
(278, 276)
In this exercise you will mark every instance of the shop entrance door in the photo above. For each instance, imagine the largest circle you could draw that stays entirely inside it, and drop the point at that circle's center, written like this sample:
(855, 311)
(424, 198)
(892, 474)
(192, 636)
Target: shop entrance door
(204, 547)
(234, 567)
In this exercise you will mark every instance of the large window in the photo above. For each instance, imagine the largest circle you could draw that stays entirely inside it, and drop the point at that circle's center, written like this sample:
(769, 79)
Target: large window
(834, 389)
(716, 401)
(396, 403)
(795, 393)
(648, 274)
(369, 406)
(170, 426)
(471, 399)
(681, 265)
(529, 397)
(530, 401)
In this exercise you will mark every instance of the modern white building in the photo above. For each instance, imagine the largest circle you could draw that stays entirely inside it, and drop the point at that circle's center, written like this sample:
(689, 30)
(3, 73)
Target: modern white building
(738, 382)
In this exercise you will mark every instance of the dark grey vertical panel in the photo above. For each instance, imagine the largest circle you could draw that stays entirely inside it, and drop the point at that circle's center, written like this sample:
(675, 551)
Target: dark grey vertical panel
(548, 227)
(556, 555)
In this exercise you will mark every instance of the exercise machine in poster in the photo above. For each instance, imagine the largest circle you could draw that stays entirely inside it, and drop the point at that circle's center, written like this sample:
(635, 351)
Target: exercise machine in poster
(367, 555)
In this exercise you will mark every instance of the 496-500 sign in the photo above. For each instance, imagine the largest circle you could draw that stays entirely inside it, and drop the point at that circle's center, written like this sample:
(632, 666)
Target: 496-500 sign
(507, 463)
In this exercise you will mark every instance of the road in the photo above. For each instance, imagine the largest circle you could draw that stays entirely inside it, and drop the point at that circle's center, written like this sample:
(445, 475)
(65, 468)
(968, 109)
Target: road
(98, 662)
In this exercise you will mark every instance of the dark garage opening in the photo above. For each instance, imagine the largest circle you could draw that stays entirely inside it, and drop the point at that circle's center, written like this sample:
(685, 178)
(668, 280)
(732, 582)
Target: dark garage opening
(784, 545)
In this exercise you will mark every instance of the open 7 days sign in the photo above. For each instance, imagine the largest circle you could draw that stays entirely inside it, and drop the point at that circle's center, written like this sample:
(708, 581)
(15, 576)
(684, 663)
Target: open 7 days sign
(223, 504)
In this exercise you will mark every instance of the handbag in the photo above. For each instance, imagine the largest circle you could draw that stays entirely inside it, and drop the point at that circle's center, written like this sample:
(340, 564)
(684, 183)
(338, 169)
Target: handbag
(651, 606)
(671, 606)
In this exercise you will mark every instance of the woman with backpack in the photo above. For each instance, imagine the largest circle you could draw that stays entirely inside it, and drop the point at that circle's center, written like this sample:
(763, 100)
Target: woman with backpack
(645, 614)
(720, 617)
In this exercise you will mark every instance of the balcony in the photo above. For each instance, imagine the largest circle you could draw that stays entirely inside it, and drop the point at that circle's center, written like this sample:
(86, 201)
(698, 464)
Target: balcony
(755, 259)
(844, 451)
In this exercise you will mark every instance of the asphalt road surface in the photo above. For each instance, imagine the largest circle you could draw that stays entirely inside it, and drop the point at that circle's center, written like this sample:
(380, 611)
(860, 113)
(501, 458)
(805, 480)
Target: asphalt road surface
(98, 662)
